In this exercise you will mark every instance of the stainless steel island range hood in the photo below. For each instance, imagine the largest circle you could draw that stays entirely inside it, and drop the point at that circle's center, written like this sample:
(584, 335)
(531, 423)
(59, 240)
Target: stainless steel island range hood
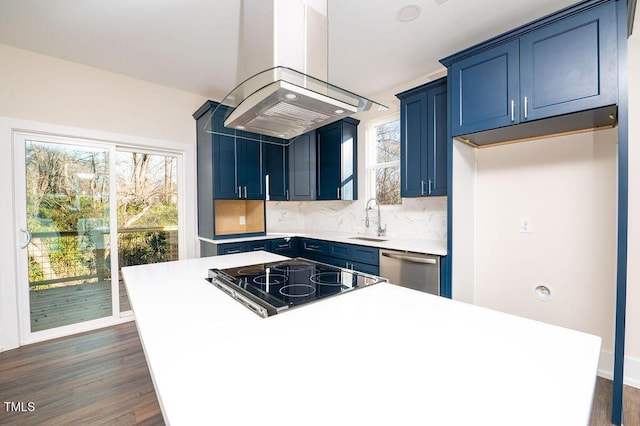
(282, 43)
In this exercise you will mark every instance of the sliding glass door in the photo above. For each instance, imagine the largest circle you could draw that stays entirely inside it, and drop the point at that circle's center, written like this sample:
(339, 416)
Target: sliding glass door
(68, 233)
(147, 210)
(85, 209)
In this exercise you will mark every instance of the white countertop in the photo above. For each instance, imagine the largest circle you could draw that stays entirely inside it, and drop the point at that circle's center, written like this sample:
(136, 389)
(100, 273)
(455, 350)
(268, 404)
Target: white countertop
(381, 355)
(417, 245)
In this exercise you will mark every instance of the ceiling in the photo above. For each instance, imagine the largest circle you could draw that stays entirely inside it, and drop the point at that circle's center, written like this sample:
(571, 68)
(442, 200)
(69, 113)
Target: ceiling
(191, 45)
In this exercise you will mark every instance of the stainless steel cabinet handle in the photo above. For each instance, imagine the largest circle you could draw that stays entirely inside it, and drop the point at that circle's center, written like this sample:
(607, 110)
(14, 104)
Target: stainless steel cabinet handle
(513, 110)
(232, 251)
(28, 238)
(430, 183)
(239, 191)
(287, 192)
(526, 107)
(422, 187)
(245, 192)
(338, 193)
(285, 245)
(409, 258)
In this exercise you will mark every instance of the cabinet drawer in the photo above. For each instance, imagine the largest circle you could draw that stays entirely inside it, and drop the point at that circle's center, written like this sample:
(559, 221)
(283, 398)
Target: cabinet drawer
(339, 250)
(314, 247)
(231, 248)
(285, 246)
(258, 245)
(363, 254)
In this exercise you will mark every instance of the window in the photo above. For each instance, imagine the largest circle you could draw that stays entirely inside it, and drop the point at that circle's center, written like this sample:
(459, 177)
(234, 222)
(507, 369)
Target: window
(383, 163)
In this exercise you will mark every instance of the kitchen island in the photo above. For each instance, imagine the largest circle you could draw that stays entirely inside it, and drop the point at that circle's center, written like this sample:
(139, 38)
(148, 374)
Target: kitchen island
(379, 355)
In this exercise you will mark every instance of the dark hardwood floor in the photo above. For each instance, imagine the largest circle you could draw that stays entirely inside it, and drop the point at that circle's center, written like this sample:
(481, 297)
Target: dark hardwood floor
(101, 377)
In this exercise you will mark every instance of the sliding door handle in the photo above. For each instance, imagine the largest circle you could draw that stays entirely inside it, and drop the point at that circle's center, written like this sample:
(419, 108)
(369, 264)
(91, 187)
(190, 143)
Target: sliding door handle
(28, 238)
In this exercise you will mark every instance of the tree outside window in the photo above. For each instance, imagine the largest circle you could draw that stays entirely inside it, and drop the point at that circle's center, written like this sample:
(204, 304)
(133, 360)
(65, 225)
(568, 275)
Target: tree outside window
(384, 162)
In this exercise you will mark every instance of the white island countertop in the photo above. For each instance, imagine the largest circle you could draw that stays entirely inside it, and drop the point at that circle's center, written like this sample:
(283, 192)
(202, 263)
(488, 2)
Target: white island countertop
(381, 355)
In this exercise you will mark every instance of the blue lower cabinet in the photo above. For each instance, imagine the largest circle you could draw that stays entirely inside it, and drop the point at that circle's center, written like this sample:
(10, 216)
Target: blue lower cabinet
(231, 248)
(350, 256)
(363, 254)
(363, 267)
(258, 245)
(314, 248)
(347, 264)
(284, 246)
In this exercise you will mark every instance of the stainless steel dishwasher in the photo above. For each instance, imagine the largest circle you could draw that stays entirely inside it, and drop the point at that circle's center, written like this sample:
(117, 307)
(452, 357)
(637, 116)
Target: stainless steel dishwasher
(414, 270)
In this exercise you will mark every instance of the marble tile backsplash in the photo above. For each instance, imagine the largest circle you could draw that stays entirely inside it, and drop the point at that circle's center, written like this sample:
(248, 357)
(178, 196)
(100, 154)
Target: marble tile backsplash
(415, 218)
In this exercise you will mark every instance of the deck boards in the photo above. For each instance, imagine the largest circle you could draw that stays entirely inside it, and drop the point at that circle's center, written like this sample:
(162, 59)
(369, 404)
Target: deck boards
(61, 306)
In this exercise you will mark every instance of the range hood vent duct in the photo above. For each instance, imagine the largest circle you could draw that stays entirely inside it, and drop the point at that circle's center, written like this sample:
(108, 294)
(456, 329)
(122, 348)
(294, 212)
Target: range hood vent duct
(281, 101)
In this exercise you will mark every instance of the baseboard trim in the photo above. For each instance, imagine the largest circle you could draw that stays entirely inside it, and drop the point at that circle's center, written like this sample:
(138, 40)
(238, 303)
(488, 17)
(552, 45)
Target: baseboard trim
(631, 369)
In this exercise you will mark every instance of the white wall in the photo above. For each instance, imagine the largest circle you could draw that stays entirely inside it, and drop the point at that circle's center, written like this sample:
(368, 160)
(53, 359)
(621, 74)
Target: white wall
(567, 186)
(463, 279)
(416, 218)
(632, 342)
(42, 89)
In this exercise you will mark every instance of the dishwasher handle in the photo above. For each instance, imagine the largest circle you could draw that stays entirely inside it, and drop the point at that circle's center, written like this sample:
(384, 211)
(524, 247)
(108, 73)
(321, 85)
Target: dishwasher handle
(409, 258)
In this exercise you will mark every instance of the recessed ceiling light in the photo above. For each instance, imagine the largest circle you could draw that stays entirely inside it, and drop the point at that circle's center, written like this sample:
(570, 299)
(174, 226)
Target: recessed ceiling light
(290, 96)
(240, 127)
(408, 12)
(339, 111)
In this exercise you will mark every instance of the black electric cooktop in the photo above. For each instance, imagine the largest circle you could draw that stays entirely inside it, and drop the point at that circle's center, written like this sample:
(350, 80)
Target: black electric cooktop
(270, 288)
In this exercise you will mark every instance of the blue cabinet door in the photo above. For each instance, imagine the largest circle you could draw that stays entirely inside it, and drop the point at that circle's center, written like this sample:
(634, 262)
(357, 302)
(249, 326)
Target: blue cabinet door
(276, 159)
(225, 183)
(251, 170)
(436, 157)
(569, 65)
(413, 139)
(337, 160)
(302, 167)
(328, 149)
(485, 90)
(423, 140)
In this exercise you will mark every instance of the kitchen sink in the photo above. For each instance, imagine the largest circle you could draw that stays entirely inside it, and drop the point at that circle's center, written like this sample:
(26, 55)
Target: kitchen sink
(368, 239)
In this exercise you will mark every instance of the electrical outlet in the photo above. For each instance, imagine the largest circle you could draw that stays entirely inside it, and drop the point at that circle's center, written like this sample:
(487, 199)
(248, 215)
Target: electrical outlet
(243, 220)
(526, 226)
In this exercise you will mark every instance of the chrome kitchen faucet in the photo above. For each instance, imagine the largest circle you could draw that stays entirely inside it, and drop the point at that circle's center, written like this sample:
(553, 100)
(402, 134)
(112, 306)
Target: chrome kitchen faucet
(381, 231)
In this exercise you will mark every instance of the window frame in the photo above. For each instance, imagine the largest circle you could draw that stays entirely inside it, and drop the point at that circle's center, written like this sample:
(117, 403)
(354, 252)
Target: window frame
(371, 165)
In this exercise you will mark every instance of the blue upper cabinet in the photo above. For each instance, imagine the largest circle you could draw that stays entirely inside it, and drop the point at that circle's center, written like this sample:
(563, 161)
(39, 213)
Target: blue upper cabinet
(250, 169)
(302, 167)
(229, 166)
(485, 90)
(437, 114)
(423, 140)
(224, 160)
(337, 160)
(569, 65)
(564, 64)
